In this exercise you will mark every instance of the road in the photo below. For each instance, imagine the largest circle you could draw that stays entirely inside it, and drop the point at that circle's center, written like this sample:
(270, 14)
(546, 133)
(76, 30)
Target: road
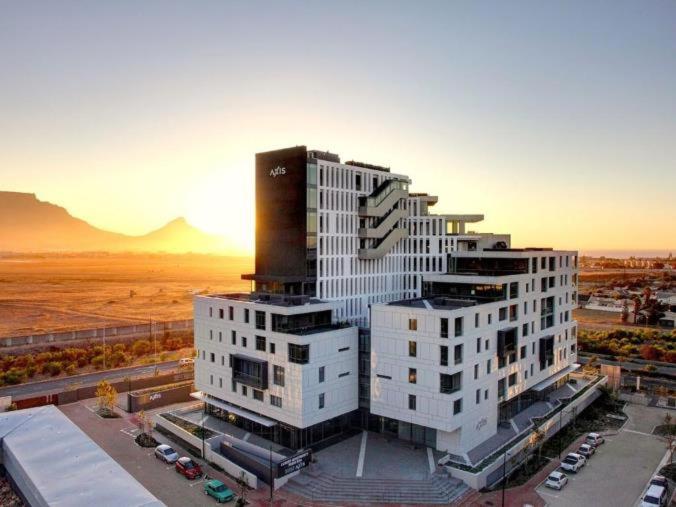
(58, 384)
(629, 366)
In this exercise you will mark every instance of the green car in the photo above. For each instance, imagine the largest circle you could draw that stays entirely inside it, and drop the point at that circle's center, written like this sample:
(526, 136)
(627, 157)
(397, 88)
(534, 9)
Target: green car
(219, 491)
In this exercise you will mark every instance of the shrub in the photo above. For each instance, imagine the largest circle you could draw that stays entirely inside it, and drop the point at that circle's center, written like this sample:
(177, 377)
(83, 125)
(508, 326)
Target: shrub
(53, 368)
(140, 347)
(97, 361)
(70, 369)
(15, 376)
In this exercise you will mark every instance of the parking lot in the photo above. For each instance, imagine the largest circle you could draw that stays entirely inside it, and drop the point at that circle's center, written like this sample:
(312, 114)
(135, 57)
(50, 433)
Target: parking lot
(617, 473)
(116, 437)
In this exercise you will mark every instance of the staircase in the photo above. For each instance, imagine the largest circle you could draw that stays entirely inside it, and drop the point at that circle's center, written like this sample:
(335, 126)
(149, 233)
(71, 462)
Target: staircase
(317, 486)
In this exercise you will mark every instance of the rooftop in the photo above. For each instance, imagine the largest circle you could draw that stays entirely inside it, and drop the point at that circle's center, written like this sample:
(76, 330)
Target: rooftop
(283, 300)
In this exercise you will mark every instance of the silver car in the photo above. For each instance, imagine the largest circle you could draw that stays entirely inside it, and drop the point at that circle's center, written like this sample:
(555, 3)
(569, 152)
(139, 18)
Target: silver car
(166, 454)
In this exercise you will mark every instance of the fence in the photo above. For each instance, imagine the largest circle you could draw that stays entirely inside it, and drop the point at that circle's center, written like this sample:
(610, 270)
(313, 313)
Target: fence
(97, 333)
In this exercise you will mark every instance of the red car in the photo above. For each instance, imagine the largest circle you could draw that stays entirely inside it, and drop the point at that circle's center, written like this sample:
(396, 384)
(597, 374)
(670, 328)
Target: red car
(188, 468)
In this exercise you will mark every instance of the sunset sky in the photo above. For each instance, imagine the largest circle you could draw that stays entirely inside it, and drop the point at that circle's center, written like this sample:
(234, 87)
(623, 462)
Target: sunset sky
(557, 120)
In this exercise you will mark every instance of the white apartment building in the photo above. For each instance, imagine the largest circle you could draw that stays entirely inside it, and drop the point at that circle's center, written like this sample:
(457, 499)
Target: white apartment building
(354, 278)
(484, 342)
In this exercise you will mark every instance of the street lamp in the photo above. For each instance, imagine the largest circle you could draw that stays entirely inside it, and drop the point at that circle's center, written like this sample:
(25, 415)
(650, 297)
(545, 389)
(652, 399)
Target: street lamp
(104, 346)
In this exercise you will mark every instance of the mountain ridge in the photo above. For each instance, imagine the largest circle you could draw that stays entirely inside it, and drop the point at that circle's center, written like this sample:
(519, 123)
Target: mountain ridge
(28, 224)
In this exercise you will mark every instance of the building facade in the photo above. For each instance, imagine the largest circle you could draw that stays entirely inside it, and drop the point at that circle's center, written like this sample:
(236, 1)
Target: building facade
(356, 283)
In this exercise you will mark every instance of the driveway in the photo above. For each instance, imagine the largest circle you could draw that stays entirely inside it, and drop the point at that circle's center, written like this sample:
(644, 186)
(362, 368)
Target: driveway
(617, 474)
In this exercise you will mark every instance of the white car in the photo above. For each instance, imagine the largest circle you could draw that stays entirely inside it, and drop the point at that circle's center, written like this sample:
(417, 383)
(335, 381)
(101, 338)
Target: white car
(573, 462)
(656, 496)
(186, 362)
(594, 439)
(556, 480)
(586, 450)
(166, 454)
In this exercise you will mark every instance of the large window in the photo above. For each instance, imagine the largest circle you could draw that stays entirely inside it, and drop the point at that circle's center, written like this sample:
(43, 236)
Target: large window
(412, 349)
(450, 383)
(457, 354)
(458, 326)
(444, 328)
(260, 319)
(299, 354)
(457, 406)
(443, 355)
(260, 343)
(412, 376)
(275, 401)
(322, 374)
(278, 375)
(412, 324)
(411, 401)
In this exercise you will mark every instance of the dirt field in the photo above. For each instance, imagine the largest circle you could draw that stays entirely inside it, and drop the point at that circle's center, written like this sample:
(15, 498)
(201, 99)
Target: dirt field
(63, 292)
(600, 320)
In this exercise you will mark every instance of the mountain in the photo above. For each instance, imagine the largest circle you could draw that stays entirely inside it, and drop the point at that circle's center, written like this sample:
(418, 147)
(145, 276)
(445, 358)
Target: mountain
(30, 225)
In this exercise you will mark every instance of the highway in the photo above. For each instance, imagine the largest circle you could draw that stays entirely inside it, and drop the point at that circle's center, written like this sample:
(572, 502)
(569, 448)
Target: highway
(60, 383)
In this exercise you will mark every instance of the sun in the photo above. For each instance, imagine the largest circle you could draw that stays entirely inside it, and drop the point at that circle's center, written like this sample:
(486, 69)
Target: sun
(222, 203)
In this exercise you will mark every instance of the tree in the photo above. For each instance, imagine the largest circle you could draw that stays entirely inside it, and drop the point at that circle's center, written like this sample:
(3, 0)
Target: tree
(242, 488)
(669, 435)
(106, 396)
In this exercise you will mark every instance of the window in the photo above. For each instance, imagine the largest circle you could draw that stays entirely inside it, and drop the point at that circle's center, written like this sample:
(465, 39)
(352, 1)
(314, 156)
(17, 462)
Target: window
(344, 374)
(450, 383)
(231, 315)
(486, 345)
(244, 390)
(490, 318)
(220, 382)
(502, 315)
(299, 354)
(321, 374)
(457, 406)
(444, 328)
(221, 314)
(211, 334)
(412, 324)
(476, 371)
(458, 326)
(260, 319)
(272, 348)
(524, 330)
(233, 337)
(502, 362)
(512, 380)
(457, 354)
(278, 375)
(222, 360)
(260, 343)
(486, 394)
(321, 401)
(411, 401)
(212, 357)
(501, 388)
(488, 367)
(275, 401)
(258, 395)
(343, 349)
(211, 311)
(412, 349)
(513, 290)
(220, 336)
(243, 341)
(524, 350)
(478, 345)
(476, 320)
(443, 355)
(234, 386)
(246, 317)
(478, 396)
(412, 376)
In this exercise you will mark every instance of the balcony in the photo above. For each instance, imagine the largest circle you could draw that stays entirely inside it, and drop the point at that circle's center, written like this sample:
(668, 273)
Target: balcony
(249, 371)
(379, 250)
(383, 198)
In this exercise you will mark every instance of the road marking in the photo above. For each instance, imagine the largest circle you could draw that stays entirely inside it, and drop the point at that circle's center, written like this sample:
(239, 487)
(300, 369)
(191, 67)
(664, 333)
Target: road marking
(640, 433)
(430, 459)
(362, 454)
(548, 494)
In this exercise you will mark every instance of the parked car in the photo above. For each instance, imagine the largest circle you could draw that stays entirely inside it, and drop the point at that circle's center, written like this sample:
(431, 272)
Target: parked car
(573, 462)
(188, 468)
(660, 480)
(166, 454)
(186, 362)
(219, 491)
(586, 450)
(594, 439)
(556, 480)
(655, 496)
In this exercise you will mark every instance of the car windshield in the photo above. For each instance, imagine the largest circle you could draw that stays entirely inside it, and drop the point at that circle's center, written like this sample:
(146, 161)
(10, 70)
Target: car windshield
(219, 489)
(189, 464)
(651, 500)
(572, 461)
(168, 451)
(553, 478)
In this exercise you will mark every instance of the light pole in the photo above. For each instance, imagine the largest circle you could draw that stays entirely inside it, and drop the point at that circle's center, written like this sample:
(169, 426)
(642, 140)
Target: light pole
(104, 345)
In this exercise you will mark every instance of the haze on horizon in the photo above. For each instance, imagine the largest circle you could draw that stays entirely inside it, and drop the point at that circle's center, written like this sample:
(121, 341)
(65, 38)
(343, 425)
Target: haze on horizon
(556, 120)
